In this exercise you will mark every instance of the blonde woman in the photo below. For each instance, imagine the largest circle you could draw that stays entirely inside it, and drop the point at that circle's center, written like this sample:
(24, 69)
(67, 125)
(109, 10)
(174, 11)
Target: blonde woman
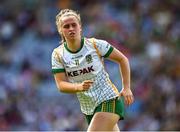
(78, 68)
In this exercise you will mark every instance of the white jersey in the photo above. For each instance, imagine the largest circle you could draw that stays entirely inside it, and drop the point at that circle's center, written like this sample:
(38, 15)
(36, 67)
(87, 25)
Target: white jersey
(85, 64)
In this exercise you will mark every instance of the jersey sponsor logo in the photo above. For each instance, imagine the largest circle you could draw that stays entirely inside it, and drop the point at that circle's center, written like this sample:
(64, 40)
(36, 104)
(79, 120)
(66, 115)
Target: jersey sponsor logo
(81, 71)
(88, 58)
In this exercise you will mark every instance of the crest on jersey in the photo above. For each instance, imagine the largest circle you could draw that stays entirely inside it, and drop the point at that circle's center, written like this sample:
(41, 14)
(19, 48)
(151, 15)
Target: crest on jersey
(89, 58)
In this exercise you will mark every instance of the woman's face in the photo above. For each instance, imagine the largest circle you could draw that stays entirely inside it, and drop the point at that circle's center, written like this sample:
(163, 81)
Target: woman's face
(70, 27)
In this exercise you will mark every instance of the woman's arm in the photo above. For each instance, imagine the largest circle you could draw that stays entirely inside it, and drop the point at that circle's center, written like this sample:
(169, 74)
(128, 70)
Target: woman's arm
(124, 67)
(64, 86)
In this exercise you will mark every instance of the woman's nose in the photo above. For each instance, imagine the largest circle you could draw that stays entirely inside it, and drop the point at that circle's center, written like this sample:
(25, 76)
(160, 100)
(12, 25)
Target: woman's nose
(71, 28)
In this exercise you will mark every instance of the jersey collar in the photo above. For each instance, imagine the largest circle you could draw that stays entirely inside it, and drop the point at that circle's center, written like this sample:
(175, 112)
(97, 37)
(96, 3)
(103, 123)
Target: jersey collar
(82, 43)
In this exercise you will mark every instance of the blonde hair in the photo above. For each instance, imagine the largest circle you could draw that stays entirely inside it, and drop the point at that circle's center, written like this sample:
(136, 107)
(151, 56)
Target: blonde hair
(66, 12)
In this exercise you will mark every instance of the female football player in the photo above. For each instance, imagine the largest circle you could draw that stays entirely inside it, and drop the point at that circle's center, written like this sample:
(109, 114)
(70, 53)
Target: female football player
(78, 68)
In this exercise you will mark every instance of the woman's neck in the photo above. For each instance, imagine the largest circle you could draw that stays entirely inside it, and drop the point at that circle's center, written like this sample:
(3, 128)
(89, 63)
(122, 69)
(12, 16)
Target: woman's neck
(74, 45)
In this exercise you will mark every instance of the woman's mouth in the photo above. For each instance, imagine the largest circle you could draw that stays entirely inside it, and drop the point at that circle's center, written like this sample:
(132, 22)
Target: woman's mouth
(71, 34)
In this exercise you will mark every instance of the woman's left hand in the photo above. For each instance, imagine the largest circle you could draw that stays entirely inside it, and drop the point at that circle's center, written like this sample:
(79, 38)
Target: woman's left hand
(128, 96)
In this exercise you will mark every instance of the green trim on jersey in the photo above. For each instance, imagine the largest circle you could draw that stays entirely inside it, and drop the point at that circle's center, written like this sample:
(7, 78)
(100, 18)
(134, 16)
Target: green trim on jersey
(66, 47)
(57, 70)
(109, 52)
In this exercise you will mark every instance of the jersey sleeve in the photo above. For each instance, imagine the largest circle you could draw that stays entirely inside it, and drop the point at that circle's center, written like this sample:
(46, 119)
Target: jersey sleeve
(57, 65)
(104, 47)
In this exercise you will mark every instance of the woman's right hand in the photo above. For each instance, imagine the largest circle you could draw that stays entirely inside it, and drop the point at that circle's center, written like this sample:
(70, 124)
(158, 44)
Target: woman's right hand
(84, 86)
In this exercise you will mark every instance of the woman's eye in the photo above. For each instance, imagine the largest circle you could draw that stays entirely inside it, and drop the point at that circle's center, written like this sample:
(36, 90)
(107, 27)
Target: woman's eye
(74, 24)
(66, 26)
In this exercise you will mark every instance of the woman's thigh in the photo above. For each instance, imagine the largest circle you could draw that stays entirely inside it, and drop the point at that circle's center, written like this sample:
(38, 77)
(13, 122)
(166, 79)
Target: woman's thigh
(103, 121)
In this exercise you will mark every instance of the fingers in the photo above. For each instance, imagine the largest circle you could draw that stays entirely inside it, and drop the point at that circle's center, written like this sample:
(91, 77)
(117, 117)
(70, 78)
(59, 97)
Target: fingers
(128, 99)
(88, 82)
(86, 85)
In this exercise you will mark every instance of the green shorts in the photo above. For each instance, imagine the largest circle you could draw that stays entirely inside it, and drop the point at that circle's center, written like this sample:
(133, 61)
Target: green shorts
(115, 105)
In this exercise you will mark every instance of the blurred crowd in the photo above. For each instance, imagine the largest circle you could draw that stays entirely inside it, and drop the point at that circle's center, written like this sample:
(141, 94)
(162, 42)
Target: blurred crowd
(146, 31)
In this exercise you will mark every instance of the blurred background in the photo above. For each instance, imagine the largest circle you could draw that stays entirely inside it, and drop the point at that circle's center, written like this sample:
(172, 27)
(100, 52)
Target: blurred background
(146, 31)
